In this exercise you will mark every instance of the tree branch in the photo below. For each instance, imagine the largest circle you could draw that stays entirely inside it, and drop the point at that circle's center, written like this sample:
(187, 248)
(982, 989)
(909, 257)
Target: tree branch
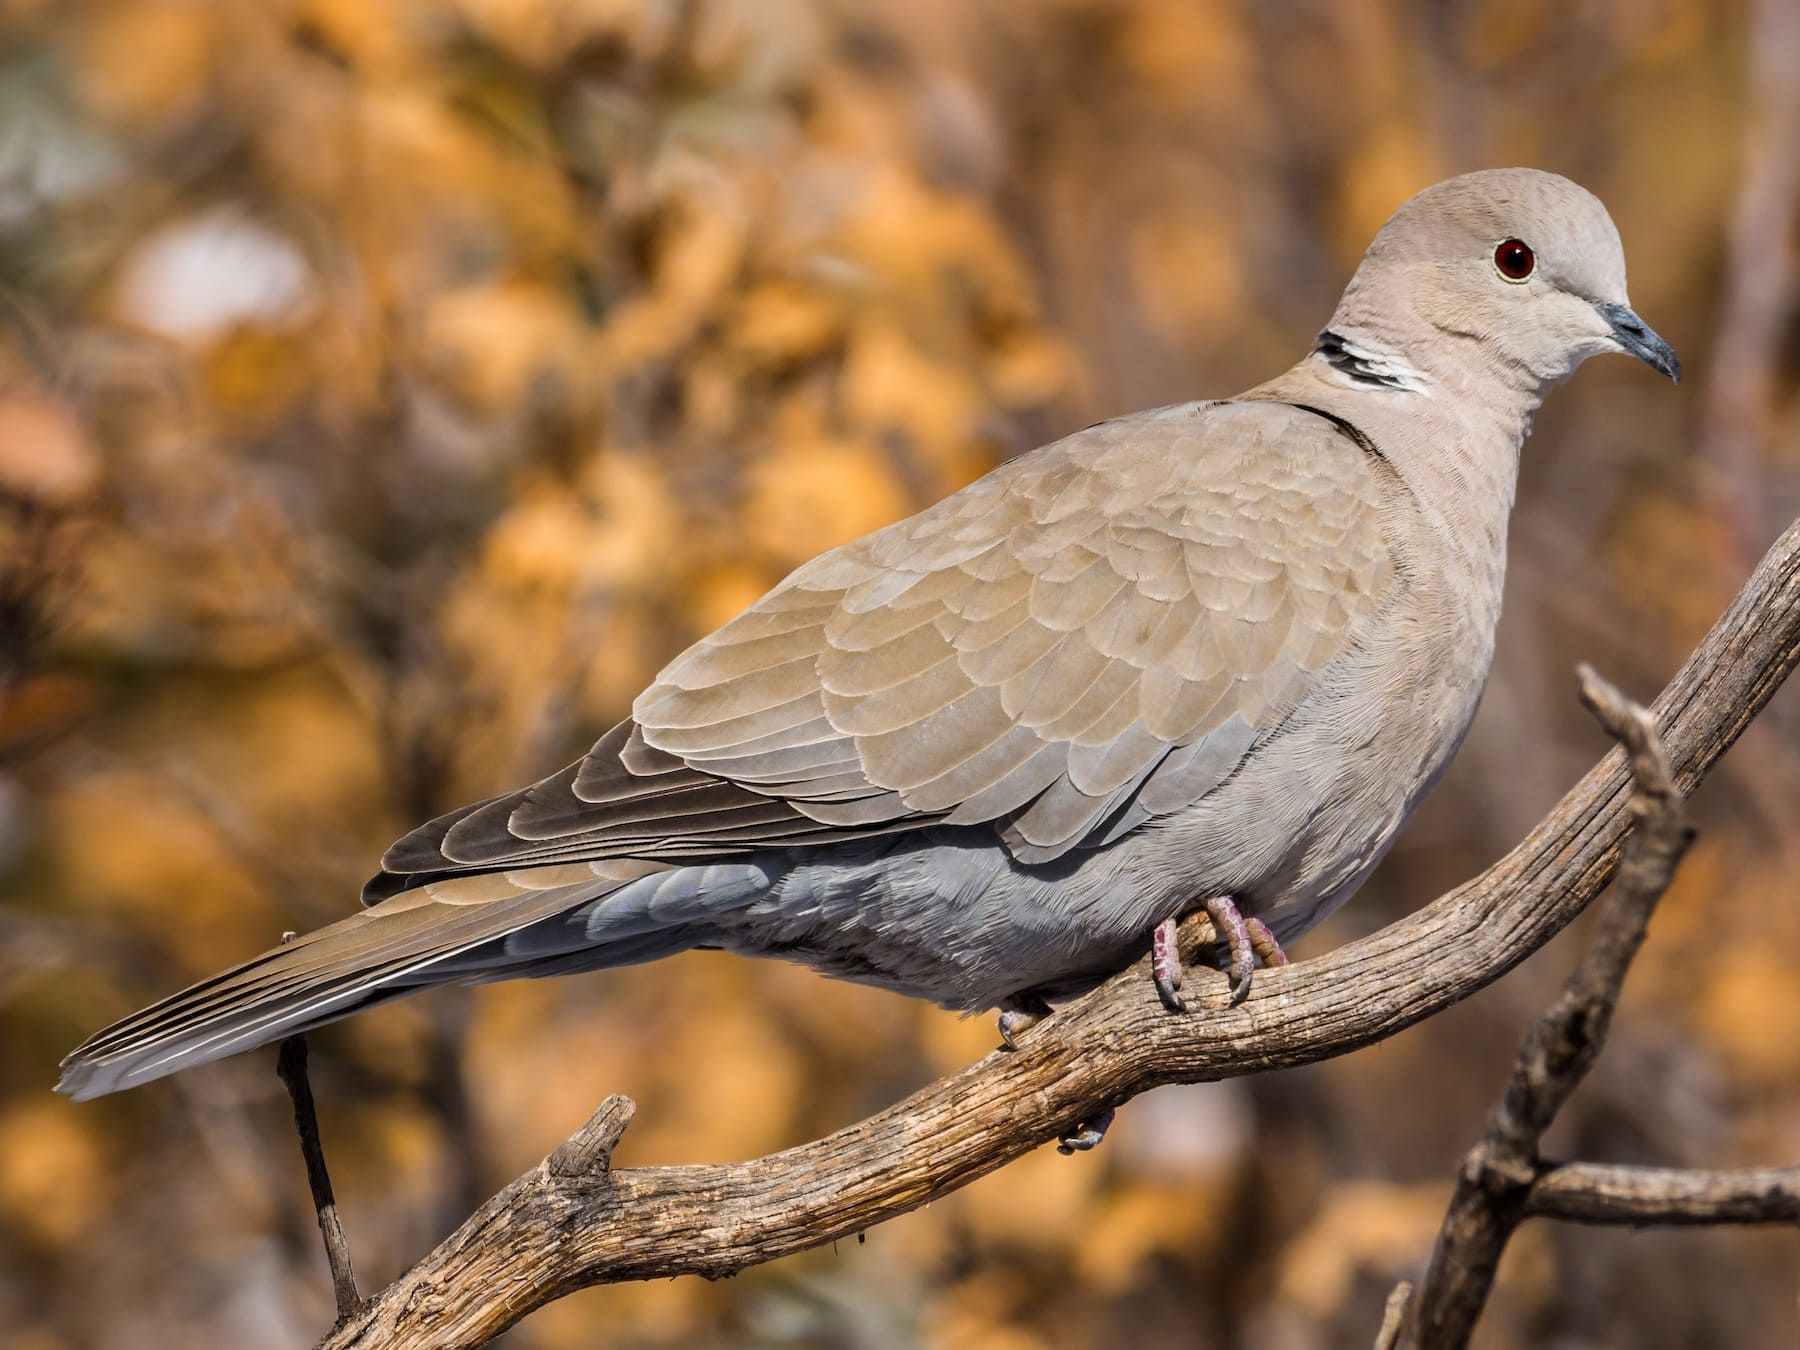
(290, 1064)
(1669, 1196)
(1497, 1175)
(549, 1234)
(1393, 1316)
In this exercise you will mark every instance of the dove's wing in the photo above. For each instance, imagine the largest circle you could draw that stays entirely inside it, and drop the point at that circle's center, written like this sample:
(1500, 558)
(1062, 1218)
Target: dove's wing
(1091, 636)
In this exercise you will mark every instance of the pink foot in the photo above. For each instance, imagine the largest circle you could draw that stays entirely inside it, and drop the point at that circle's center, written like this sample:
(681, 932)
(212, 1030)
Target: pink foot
(1165, 966)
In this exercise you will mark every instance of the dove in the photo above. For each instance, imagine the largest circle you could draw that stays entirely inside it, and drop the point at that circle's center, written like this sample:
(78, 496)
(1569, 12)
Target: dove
(1207, 657)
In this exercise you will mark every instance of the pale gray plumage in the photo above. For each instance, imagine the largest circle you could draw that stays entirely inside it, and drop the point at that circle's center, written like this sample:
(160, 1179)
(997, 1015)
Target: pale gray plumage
(1216, 649)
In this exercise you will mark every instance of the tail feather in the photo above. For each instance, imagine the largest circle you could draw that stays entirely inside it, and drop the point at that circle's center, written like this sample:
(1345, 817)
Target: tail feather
(403, 944)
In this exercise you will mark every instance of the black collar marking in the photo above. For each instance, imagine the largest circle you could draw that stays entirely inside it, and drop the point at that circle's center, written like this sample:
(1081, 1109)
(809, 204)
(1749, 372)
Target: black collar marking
(1333, 349)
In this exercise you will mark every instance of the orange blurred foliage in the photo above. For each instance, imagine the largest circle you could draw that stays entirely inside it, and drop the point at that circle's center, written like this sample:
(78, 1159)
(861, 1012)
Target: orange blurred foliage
(388, 389)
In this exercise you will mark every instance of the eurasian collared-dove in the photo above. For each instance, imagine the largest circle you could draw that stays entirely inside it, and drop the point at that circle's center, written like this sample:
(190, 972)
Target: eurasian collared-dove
(1207, 656)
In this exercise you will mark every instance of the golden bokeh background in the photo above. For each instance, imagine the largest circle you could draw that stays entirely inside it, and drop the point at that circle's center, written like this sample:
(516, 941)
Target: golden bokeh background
(388, 389)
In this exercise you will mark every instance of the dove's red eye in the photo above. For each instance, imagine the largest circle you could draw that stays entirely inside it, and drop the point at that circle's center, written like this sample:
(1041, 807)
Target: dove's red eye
(1515, 259)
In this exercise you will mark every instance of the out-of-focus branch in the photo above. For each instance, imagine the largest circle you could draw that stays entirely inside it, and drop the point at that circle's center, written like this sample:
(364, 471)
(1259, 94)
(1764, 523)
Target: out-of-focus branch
(290, 1064)
(1497, 1175)
(1641, 1196)
(1637, 1197)
(34, 574)
(1393, 1316)
(1761, 290)
(566, 1226)
(1759, 283)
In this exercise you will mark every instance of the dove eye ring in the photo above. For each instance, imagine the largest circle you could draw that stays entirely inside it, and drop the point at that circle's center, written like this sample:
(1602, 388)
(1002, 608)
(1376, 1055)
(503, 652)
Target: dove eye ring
(1514, 259)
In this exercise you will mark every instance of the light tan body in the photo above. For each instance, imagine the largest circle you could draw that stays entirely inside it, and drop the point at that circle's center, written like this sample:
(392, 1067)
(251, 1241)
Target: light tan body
(1219, 649)
(1289, 835)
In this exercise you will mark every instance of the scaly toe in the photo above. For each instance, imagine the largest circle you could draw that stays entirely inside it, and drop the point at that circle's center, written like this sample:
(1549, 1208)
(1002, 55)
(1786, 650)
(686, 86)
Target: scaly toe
(1263, 943)
(1165, 966)
(1234, 932)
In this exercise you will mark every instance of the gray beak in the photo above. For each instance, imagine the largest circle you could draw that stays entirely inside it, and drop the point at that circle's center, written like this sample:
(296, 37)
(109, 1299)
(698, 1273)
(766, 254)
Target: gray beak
(1640, 339)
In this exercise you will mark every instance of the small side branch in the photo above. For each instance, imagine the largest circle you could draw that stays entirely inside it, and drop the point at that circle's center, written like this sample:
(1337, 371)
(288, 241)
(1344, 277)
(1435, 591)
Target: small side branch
(1599, 1193)
(588, 1152)
(1495, 1184)
(290, 1063)
(1393, 1316)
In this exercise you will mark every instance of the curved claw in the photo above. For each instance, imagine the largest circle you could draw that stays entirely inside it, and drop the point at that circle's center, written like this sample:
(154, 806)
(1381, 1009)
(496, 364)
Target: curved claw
(1012, 1022)
(1247, 941)
(1086, 1135)
(1021, 1014)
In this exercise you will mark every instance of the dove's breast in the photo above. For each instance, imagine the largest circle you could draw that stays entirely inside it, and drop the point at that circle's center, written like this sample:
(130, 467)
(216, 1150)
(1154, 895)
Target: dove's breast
(1318, 802)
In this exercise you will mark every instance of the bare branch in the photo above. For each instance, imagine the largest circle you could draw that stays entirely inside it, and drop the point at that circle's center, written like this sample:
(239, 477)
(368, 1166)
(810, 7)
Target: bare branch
(1393, 1316)
(1641, 1196)
(1497, 1175)
(548, 1235)
(290, 1064)
(1638, 1197)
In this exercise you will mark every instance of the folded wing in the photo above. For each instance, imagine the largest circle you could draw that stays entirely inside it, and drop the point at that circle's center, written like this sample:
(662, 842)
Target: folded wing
(1090, 637)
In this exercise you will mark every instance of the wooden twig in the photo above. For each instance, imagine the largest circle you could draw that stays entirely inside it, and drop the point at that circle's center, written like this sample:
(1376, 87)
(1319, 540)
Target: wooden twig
(1495, 1181)
(536, 1242)
(1638, 1197)
(1393, 1316)
(290, 1063)
(588, 1152)
(1601, 1193)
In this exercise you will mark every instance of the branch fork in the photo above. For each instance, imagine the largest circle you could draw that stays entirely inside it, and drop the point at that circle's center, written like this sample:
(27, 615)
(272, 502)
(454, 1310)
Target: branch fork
(1503, 1174)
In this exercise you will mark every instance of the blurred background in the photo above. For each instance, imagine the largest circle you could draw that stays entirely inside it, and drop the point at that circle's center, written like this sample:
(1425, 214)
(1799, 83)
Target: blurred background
(388, 389)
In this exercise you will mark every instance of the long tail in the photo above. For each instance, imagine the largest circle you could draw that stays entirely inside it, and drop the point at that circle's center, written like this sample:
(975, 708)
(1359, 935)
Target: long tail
(461, 928)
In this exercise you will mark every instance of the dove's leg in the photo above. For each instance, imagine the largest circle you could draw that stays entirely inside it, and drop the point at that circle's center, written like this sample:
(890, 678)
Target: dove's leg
(1248, 941)
(1165, 966)
(1086, 1135)
(1020, 1012)
(1234, 930)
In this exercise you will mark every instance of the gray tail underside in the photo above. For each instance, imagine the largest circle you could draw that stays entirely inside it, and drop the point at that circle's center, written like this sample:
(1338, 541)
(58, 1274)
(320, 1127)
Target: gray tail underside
(351, 965)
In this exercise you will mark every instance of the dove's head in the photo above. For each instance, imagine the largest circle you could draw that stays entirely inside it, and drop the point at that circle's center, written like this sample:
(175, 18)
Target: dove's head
(1516, 270)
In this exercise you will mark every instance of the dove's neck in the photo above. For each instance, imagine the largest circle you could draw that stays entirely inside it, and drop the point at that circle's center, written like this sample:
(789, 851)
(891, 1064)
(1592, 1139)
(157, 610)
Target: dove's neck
(1450, 423)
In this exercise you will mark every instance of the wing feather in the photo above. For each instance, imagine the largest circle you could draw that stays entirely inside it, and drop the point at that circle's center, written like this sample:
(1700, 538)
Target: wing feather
(1010, 656)
(1092, 636)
